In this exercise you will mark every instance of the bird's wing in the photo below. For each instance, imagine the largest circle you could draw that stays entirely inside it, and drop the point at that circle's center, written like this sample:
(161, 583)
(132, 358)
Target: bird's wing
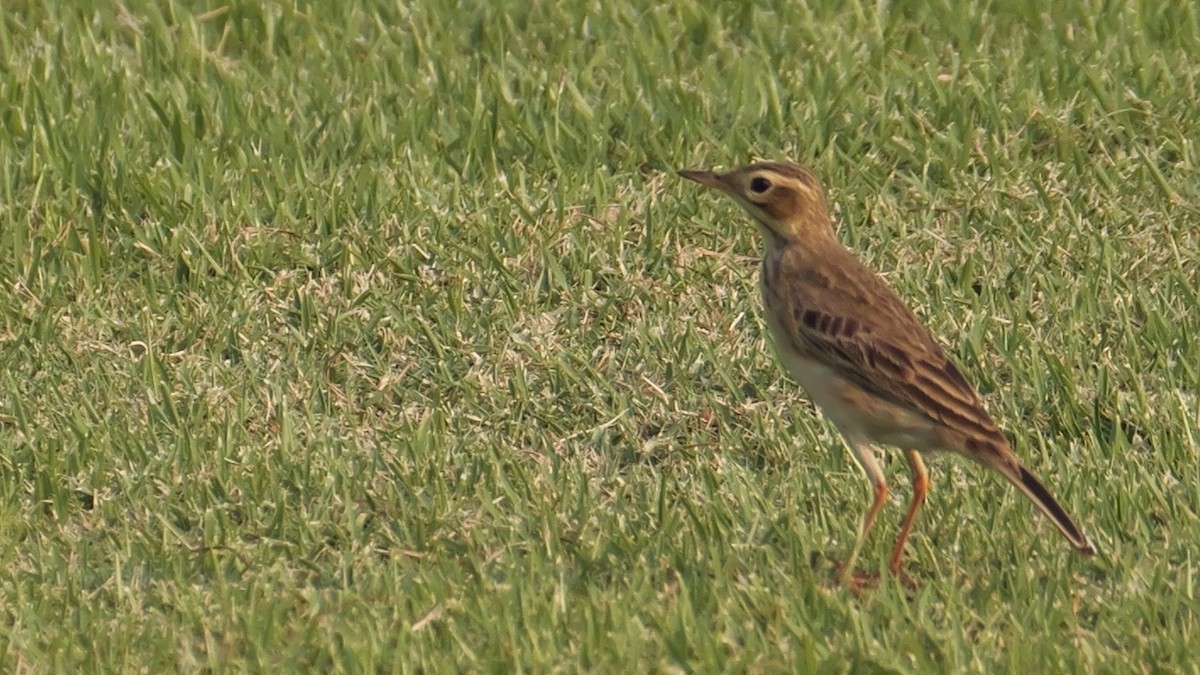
(846, 316)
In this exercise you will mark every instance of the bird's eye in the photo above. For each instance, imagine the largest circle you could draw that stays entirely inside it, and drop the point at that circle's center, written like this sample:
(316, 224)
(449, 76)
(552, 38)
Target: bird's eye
(760, 185)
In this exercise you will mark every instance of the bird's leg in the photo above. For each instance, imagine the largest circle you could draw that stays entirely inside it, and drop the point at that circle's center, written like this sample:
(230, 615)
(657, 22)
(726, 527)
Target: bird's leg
(870, 466)
(920, 481)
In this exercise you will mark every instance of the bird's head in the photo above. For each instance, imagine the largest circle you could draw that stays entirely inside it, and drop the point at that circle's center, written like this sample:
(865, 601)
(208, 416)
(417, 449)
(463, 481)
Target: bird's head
(785, 199)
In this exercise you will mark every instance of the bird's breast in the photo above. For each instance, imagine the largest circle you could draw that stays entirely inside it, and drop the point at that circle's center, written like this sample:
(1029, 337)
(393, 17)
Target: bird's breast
(814, 376)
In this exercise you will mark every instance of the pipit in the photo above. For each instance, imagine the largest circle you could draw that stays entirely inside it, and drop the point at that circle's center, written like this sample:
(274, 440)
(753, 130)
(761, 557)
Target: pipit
(860, 353)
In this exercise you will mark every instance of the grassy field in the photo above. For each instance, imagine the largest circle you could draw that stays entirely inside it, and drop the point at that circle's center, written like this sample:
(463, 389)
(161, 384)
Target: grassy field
(353, 338)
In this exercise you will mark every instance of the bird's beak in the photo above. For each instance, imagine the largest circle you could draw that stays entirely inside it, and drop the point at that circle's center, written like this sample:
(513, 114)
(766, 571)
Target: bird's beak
(708, 179)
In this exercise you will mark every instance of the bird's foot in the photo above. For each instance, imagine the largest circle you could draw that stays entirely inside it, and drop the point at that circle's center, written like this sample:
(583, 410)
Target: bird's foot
(858, 582)
(861, 582)
(909, 584)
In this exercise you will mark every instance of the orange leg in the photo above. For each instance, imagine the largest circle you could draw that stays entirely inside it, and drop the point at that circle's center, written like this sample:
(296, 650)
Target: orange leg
(920, 481)
(881, 493)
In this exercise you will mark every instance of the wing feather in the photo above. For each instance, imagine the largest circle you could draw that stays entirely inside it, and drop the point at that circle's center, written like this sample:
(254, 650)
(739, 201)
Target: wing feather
(845, 314)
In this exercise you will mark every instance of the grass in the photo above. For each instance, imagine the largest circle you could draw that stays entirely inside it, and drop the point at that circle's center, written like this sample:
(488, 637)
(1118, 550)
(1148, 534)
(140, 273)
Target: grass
(342, 337)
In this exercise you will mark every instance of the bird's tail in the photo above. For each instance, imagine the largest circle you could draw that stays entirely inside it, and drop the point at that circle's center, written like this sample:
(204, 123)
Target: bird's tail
(1029, 484)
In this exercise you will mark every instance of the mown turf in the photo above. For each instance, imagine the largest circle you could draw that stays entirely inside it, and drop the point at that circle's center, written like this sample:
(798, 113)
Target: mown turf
(342, 337)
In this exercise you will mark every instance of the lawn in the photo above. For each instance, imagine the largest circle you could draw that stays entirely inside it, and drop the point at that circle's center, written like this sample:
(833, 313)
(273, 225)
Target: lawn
(350, 337)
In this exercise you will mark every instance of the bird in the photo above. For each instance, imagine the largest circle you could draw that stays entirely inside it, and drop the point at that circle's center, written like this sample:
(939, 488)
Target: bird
(863, 357)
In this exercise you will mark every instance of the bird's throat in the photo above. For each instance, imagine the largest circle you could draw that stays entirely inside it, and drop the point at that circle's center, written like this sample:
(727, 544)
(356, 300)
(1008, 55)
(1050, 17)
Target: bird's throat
(772, 240)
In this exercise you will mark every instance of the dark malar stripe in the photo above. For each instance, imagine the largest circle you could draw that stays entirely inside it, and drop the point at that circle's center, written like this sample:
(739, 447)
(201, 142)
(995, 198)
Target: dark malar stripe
(770, 268)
